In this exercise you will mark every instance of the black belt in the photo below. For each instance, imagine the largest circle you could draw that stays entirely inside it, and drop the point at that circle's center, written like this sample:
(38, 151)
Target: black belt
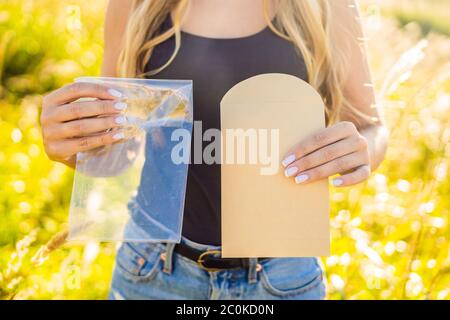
(208, 260)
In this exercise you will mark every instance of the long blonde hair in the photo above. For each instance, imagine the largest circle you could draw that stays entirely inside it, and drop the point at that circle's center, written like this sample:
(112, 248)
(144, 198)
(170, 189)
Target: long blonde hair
(305, 23)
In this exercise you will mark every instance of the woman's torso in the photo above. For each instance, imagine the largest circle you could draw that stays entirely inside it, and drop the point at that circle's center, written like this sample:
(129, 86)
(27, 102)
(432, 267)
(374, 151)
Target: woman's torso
(215, 66)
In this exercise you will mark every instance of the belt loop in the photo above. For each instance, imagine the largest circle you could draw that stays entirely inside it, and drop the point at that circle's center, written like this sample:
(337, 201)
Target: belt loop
(252, 270)
(168, 258)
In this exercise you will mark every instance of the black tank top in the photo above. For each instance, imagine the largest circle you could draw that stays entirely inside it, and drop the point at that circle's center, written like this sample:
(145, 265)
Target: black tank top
(215, 66)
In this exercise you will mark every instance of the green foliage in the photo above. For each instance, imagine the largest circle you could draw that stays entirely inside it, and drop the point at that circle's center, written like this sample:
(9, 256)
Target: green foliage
(430, 15)
(390, 235)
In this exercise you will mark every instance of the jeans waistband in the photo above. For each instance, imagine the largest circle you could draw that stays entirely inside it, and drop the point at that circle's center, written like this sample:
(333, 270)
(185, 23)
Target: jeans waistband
(198, 246)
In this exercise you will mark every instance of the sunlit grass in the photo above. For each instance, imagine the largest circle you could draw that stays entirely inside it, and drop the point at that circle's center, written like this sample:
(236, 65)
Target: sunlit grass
(390, 235)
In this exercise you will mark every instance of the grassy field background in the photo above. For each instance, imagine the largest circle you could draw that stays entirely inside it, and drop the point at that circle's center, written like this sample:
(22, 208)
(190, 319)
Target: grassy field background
(390, 236)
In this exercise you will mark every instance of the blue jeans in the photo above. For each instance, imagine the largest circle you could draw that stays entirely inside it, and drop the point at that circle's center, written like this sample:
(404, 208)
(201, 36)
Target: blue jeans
(155, 271)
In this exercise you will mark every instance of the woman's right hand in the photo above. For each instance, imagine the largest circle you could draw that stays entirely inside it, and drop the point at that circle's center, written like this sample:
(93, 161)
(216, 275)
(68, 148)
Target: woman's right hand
(70, 126)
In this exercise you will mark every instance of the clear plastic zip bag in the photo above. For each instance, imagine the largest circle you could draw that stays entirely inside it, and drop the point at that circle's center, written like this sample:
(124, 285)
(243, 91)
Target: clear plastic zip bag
(141, 179)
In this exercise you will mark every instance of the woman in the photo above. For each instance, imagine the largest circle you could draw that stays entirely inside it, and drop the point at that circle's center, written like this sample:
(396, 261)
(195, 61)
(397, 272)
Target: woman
(218, 44)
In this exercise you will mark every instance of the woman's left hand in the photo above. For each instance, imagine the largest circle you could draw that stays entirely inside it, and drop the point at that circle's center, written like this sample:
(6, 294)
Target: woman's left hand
(339, 149)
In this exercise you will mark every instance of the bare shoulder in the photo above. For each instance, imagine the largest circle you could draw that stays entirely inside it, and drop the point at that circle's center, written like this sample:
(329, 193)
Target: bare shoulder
(116, 19)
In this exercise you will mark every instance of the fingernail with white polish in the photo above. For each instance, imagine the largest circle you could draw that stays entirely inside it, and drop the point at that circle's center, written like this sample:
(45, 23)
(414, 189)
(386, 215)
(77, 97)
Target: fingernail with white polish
(119, 136)
(338, 182)
(287, 161)
(290, 171)
(302, 178)
(115, 93)
(120, 106)
(120, 120)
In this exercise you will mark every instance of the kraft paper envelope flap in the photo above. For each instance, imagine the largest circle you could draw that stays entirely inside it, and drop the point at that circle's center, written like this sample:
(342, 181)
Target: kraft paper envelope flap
(270, 215)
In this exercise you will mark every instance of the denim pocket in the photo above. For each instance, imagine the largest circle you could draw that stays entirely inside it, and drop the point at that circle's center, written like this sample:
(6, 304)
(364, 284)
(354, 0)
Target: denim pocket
(139, 261)
(291, 276)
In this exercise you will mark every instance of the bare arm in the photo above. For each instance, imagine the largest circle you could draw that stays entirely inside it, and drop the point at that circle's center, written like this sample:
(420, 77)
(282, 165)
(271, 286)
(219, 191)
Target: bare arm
(356, 145)
(70, 126)
(116, 19)
(111, 163)
(359, 88)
